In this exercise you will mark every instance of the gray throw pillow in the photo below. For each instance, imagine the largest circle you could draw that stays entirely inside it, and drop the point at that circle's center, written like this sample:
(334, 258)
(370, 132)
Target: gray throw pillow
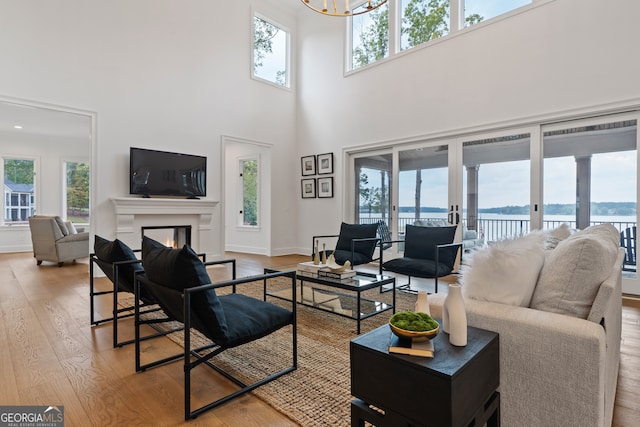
(62, 226)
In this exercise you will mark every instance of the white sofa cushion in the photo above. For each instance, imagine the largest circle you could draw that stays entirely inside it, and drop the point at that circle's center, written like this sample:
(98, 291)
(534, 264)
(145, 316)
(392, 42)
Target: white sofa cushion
(574, 270)
(505, 272)
(555, 236)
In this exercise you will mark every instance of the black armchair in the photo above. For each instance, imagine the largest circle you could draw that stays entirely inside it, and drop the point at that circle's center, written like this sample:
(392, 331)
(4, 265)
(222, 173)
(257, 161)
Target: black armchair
(429, 252)
(356, 243)
(179, 282)
(628, 242)
(120, 264)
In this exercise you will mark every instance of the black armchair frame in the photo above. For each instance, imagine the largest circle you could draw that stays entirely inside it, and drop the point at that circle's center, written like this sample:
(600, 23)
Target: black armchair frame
(407, 285)
(353, 245)
(116, 313)
(193, 357)
(628, 242)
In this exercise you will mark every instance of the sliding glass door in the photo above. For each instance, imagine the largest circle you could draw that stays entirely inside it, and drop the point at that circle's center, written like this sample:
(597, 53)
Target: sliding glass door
(372, 189)
(504, 184)
(590, 177)
(423, 186)
(496, 177)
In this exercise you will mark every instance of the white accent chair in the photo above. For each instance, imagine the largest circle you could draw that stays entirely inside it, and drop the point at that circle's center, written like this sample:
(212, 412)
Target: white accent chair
(53, 242)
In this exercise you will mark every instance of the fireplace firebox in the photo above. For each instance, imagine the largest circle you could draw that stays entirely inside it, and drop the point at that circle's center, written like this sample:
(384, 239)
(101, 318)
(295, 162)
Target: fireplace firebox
(172, 236)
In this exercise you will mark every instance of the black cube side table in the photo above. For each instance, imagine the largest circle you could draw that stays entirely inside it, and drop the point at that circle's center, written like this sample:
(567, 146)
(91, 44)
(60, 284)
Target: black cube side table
(458, 387)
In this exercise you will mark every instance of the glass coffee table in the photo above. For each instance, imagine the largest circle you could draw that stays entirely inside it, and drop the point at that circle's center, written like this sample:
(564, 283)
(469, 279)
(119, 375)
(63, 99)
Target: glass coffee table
(342, 297)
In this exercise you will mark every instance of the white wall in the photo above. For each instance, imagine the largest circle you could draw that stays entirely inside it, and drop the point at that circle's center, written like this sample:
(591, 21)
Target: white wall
(561, 56)
(165, 74)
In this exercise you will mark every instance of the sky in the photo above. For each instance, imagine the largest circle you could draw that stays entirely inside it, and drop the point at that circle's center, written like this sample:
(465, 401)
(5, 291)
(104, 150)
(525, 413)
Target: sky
(490, 8)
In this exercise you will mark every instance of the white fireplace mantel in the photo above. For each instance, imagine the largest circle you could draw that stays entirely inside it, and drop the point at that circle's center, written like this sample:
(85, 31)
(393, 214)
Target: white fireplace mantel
(133, 213)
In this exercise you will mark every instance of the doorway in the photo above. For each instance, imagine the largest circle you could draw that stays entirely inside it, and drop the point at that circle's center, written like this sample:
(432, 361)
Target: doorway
(49, 138)
(247, 201)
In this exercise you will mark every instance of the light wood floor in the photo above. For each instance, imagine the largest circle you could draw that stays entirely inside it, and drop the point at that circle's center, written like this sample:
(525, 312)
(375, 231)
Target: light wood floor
(49, 355)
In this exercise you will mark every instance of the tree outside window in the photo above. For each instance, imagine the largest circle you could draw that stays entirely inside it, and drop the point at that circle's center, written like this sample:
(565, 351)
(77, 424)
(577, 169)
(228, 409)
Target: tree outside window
(373, 200)
(370, 36)
(426, 20)
(77, 189)
(250, 187)
(420, 22)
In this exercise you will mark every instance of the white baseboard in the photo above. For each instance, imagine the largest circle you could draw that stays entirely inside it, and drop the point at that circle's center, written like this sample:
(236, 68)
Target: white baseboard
(15, 248)
(246, 249)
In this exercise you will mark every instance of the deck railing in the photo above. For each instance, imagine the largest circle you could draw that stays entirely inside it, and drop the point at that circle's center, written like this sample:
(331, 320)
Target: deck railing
(497, 229)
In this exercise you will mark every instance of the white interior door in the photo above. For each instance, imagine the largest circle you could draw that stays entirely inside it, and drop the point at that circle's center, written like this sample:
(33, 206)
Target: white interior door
(247, 233)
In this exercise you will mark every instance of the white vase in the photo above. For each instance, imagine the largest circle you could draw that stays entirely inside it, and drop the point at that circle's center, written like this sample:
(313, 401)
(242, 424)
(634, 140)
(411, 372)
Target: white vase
(422, 303)
(456, 316)
(445, 317)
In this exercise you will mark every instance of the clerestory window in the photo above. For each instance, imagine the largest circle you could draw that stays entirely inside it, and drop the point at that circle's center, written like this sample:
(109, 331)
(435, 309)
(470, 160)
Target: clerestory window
(370, 36)
(400, 25)
(489, 9)
(271, 52)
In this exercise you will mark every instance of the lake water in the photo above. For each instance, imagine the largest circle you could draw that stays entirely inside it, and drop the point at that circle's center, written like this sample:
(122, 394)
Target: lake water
(497, 226)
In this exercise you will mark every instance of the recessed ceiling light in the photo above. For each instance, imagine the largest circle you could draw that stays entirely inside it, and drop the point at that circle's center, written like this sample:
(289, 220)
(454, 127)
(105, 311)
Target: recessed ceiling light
(17, 127)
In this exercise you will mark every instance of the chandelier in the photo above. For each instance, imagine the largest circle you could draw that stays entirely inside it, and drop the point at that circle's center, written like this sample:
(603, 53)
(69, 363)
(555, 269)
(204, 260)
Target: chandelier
(332, 10)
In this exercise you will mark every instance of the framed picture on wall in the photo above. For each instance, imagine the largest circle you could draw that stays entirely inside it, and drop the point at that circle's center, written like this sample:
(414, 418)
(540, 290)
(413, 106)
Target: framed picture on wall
(325, 187)
(308, 165)
(325, 163)
(308, 188)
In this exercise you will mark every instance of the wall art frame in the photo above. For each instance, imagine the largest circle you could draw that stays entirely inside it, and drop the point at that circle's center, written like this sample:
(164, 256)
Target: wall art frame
(325, 187)
(308, 164)
(325, 164)
(308, 188)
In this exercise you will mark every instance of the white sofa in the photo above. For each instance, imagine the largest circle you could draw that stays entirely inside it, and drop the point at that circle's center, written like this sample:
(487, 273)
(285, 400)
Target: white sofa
(555, 369)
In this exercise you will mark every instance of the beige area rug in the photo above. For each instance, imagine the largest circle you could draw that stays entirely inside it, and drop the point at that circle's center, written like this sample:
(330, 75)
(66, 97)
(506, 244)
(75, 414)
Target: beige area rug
(318, 392)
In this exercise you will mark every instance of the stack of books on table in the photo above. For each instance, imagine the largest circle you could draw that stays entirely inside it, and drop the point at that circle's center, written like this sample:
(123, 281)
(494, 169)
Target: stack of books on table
(309, 269)
(408, 346)
(343, 275)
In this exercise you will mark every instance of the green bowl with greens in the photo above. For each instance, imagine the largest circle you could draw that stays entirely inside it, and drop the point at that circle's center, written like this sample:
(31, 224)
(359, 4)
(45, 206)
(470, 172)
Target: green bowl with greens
(415, 326)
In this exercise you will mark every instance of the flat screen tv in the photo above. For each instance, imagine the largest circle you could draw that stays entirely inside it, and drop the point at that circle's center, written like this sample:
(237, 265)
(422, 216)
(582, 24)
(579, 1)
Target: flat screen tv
(162, 173)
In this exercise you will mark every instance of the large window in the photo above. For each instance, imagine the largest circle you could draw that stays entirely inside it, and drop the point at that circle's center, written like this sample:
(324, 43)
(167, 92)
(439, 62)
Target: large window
(19, 190)
(77, 191)
(416, 22)
(270, 52)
